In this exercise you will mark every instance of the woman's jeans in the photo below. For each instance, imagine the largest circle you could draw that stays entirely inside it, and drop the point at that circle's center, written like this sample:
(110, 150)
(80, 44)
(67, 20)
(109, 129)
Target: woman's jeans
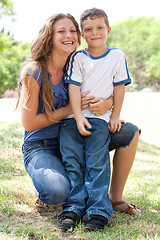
(42, 160)
(87, 163)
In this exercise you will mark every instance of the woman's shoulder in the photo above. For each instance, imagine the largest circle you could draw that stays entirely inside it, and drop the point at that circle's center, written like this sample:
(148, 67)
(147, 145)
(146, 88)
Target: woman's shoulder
(32, 69)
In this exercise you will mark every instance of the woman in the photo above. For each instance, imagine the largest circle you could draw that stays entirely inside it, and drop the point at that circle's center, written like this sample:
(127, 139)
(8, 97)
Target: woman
(44, 103)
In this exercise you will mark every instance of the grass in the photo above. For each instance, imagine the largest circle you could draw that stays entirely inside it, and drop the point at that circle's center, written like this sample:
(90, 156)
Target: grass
(20, 218)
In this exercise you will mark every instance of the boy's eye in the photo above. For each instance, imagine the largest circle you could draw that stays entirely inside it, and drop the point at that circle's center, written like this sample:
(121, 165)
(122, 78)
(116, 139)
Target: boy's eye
(73, 31)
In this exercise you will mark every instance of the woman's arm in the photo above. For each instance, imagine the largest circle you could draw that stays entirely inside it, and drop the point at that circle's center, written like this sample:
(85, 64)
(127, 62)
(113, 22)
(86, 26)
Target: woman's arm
(100, 106)
(30, 119)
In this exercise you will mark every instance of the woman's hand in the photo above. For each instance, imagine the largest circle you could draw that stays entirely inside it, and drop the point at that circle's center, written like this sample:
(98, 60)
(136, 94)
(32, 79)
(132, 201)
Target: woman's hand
(86, 100)
(100, 106)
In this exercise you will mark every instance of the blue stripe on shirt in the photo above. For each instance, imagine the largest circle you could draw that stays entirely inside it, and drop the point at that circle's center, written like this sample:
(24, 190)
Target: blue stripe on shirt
(72, 62)
(72, 82)
(126, 82)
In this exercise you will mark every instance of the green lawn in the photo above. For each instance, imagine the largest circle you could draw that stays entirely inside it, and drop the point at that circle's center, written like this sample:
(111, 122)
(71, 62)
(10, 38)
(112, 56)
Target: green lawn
(20, 218)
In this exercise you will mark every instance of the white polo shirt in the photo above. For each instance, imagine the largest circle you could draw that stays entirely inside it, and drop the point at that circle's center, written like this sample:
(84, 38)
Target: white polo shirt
(98, 74)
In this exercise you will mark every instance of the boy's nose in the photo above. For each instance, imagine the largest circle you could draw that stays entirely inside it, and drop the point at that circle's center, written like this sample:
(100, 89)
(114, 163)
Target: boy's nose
(94, 31)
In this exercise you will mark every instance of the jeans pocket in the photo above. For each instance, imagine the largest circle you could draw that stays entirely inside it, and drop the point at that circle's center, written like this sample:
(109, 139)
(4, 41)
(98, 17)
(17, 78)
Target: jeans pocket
(66, 122)
(29, 150)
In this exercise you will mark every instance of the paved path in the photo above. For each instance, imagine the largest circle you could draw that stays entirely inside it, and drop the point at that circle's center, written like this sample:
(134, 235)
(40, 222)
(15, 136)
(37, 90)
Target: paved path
(7, 110)
(143, 109)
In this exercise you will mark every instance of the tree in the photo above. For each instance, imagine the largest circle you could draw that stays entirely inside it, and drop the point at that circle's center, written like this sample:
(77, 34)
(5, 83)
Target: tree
(139, 38)
(12, 56)
(12, 53)
(6, 8)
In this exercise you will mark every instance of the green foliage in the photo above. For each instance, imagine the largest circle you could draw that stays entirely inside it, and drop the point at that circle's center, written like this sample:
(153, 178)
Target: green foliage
(83, 44)
(12, 54)
(6, 8)
(139, 38)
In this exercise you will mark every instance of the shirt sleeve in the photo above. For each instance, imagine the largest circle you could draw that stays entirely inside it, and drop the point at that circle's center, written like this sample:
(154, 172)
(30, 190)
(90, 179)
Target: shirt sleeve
(74, 73)
(34, 71)
(121, 75)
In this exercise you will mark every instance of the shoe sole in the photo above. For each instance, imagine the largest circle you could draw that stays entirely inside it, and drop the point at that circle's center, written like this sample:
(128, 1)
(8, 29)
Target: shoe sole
(89, 227)
(66, 227)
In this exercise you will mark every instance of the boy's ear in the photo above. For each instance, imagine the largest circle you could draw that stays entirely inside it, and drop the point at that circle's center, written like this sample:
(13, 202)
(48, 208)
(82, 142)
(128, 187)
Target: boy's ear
(82, 35)
(108, 31)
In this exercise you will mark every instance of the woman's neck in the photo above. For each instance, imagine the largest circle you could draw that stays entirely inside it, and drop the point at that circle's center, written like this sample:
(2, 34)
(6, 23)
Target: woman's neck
(57, 61)
(55, 67)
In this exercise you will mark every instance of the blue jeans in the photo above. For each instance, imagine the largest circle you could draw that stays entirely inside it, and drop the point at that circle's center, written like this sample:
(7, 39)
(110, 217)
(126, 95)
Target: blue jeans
(42, 160)
(87, 163)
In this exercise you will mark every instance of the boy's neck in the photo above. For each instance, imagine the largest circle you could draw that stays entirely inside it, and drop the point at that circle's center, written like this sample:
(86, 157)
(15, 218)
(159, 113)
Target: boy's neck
(96, 52)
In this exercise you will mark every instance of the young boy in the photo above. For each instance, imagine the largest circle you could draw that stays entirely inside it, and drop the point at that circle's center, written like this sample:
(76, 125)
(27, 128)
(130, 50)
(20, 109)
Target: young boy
(84, 140)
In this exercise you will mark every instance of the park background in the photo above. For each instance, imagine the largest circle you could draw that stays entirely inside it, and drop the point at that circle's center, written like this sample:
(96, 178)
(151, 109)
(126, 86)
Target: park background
(136, 30)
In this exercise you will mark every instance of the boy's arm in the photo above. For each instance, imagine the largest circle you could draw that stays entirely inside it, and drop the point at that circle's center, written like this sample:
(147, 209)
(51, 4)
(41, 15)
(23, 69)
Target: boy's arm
(118, 97)
(75, 100)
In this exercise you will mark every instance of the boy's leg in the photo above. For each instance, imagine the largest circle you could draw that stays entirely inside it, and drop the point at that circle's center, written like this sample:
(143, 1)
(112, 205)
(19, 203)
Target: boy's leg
(72, 150)
(98, 169)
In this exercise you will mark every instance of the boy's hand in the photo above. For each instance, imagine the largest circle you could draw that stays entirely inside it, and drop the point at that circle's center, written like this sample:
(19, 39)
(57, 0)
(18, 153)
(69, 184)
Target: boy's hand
(115, 124)
(81, 123)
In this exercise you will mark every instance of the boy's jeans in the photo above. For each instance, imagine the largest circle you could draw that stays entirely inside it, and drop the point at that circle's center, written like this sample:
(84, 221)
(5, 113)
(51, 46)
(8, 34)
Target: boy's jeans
(86, 160)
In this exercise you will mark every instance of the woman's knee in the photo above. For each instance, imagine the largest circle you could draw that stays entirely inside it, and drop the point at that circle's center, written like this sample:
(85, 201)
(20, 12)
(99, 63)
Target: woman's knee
(55, 191)
(135, 138)
(129, 133)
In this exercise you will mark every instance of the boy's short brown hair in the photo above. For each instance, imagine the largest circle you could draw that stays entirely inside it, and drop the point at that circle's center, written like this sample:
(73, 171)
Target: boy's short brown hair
(93, 13)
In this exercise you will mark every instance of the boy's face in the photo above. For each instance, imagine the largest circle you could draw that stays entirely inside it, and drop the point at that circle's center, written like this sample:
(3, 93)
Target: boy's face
(95, 32)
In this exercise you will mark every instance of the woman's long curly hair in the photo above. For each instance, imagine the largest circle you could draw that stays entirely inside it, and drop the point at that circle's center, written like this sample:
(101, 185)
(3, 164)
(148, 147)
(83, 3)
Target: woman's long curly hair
(40, 52)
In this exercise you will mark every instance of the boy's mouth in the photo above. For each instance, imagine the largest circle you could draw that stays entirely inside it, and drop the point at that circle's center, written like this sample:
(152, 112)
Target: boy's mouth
(96, 38)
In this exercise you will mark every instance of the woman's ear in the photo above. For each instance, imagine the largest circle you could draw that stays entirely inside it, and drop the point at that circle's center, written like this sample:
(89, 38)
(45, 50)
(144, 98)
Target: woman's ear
(50, 43)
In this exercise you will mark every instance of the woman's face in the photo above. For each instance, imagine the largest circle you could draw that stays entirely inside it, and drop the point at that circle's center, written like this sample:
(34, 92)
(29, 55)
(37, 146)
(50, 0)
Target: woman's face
(65, 38)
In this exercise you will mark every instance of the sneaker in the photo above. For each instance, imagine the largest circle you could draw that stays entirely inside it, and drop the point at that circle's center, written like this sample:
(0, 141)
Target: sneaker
(96, 222)
(68, 220)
